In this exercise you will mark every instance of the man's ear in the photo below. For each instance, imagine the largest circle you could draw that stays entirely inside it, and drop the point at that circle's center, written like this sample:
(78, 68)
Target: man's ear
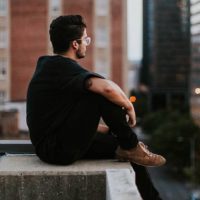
(75, 45)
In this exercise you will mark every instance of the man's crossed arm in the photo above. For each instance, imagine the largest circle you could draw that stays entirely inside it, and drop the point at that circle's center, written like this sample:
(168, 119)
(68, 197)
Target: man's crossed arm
(113, 93)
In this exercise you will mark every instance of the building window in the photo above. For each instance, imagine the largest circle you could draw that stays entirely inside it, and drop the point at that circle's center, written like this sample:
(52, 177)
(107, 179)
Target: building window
(3, 38)
(195, 39)
(102, 67)
(102, 37)
(2, 96)
(194, 1)
(195, 19)
(55, 7)
(195, 8)
(102, 7)
(3, 7)
(2, 69)
(195, 29)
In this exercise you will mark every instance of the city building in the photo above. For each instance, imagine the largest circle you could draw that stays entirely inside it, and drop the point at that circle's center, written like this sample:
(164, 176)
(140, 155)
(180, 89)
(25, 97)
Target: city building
(24, 37)
(4, 51)
(133, 75)
(195, 60)
(166, 52)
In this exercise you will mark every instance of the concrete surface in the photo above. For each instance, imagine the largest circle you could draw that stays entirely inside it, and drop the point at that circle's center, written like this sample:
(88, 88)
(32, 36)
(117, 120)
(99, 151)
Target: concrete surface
(120, 185)
(25, 177)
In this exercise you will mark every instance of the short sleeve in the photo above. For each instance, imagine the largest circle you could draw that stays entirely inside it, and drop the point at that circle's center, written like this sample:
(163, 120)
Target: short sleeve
(77, 83)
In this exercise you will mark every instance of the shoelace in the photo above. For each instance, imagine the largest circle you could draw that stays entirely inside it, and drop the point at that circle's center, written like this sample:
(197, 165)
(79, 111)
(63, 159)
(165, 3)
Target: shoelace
(146, 150)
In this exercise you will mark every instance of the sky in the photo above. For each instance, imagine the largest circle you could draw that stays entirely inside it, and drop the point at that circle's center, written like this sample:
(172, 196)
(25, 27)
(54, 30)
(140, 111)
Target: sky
(134, 29)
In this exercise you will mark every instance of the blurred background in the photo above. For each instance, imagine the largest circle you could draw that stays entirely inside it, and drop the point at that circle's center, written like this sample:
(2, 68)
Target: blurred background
(150, 48)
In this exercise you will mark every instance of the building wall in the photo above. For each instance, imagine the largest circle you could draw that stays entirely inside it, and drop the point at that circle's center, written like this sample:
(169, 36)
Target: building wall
(116, 35)
(195, 60)
(28, 39)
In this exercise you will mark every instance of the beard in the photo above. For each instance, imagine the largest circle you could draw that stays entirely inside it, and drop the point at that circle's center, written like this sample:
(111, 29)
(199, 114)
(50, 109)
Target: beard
(80, 54)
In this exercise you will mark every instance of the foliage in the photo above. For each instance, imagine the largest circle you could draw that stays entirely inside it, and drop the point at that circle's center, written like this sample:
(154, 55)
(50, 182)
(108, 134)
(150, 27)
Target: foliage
(152, 121)
(173, 139)
(171, 135)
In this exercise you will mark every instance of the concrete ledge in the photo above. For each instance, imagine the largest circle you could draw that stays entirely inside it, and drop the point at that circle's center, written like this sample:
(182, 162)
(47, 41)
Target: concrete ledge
(120, 185)
(16, 146)
(25, 177)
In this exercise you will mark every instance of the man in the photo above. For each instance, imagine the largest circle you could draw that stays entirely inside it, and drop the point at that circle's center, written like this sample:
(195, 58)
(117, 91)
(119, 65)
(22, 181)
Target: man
(65, 103)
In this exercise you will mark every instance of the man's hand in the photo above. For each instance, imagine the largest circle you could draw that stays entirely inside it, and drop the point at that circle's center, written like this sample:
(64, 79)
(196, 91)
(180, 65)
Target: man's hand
(131, 117)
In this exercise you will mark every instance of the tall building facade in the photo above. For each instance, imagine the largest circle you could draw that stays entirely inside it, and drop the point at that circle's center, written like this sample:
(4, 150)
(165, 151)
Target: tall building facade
(4, 50)
(166, 52)
(195, 60)
(24, 37)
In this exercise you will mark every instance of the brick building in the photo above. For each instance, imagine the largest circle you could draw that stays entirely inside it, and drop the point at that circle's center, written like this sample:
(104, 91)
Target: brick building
(195, 60)
(166, 52)
(24, 36)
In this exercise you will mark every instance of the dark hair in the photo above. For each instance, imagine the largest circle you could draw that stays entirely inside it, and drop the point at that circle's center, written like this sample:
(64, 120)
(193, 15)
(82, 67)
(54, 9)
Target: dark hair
(65, 29)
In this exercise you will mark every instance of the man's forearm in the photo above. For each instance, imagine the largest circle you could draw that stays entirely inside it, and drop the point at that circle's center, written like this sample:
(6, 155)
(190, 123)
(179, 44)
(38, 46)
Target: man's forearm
(117, 96)
(113, 93)
(109, 90)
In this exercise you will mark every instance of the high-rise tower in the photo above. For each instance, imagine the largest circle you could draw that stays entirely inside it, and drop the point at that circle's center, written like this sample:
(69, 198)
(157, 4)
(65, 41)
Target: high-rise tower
(166, 52)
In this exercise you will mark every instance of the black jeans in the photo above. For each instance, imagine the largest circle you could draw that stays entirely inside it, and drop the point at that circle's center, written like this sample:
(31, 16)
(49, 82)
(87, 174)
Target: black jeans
(71, 142)
(80, 140)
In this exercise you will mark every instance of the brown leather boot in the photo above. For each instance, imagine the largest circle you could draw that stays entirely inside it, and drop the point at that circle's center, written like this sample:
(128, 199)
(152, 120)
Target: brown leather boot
(141, 156)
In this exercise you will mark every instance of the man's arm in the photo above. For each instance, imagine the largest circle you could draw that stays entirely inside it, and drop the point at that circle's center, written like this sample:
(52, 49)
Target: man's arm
(113, 93)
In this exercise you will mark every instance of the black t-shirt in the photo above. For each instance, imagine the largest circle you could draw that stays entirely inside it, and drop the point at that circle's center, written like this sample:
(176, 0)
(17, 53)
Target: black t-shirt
(57, 84)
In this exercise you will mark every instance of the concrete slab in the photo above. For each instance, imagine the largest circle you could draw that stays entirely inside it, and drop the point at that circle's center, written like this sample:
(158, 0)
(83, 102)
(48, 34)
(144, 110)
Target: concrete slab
(120, 185)
(31, 164)
(25, 177)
